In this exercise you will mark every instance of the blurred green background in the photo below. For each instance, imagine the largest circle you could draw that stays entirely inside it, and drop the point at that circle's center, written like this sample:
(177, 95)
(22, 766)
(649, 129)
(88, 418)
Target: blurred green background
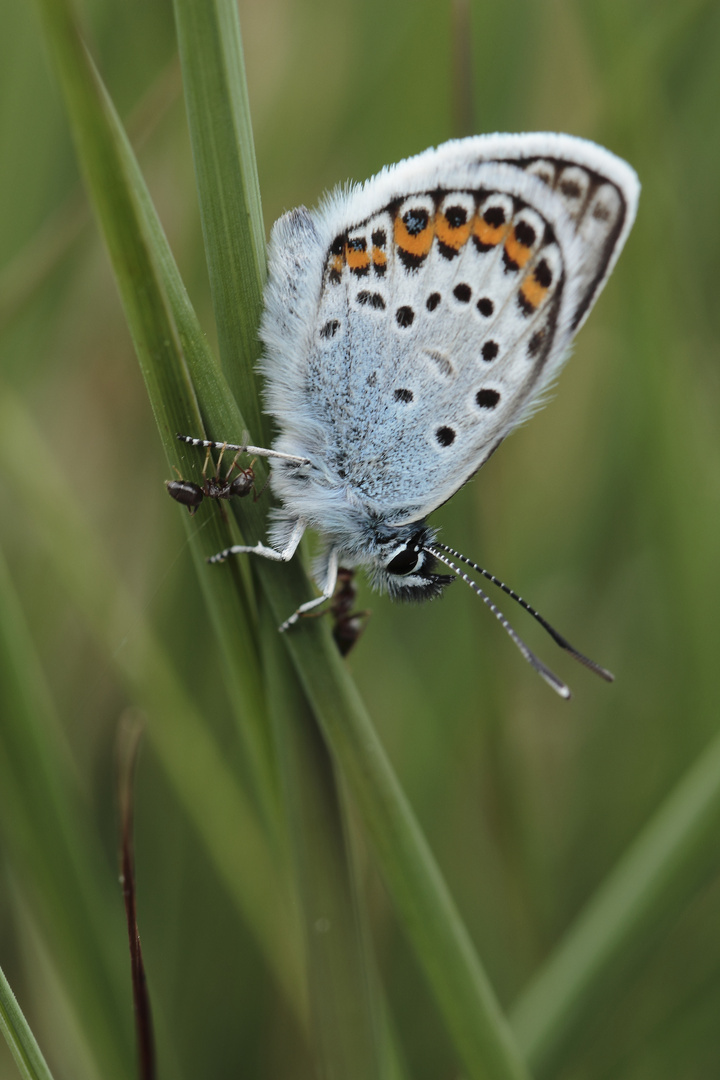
(603, 511)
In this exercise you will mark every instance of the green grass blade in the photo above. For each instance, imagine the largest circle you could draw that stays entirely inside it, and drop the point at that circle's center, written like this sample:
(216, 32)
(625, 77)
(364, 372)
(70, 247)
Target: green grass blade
(347, 1036)
(418, 890)
(167, 339)
(228, 191)
(115, 202)
(29, 269)
(23, 1046)
(58, 861)
(652, 883)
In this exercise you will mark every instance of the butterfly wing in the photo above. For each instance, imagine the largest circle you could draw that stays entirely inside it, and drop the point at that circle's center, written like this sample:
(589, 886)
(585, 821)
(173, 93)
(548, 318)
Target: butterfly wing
(415, 320)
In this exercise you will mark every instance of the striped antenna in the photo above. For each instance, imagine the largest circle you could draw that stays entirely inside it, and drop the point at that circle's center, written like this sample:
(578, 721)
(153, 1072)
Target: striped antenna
(557, 638)
(544, 672)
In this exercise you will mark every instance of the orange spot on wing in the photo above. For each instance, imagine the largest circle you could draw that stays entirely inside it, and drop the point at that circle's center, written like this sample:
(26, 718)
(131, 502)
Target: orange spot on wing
(533, 292)
(379, 257)
(515, 251)
(418, 245)
(453, 237)
(488, 235)
(336, 264)
(357, 258)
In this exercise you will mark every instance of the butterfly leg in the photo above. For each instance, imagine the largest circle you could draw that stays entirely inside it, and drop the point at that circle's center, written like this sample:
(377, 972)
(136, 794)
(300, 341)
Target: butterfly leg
(328, 588)
(262, 549)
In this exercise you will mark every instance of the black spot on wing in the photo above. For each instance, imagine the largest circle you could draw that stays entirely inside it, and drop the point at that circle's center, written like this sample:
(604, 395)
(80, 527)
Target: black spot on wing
(535, 343)
(330, 328)
(371, 299)
(445, 436)
(495, 216)
(543, 274)
(487, 399)
(416, 220)
(525, 234)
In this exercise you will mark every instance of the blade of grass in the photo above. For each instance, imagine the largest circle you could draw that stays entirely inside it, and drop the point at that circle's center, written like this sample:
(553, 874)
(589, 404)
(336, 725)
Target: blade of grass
(652, 883)
(221, 135)
(23, 1046)
(418, 891)
(421, 897)
(21, 278)
(128, 745)
(346, 1031)
(165, 331)
(58, 861)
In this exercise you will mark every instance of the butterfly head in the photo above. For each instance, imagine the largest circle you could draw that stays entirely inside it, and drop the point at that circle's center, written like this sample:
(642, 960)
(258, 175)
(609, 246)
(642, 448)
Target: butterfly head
(405, 569)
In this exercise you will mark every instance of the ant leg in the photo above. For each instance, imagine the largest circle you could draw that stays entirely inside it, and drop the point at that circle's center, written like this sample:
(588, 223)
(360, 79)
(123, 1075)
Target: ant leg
(206, 462)
(234, 464)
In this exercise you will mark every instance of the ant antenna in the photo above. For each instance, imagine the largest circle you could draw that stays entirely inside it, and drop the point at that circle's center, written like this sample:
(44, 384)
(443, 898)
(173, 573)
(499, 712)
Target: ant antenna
(557, 638)
(544, 672)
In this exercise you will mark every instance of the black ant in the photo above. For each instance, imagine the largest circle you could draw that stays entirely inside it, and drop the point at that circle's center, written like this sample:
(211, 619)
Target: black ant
(214, 487)
(348, 625)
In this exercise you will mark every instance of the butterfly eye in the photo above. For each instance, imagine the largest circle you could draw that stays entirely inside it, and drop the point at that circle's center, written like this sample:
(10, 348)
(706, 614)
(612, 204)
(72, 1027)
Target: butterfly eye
(404, 562)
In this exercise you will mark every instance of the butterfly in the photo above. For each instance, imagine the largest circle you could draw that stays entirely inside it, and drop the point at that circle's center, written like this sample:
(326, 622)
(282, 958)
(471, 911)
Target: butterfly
(410, 324)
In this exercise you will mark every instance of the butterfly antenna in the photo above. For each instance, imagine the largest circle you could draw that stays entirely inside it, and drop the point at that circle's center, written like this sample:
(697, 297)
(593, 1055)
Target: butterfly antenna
(558, 638)
(544, 672)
